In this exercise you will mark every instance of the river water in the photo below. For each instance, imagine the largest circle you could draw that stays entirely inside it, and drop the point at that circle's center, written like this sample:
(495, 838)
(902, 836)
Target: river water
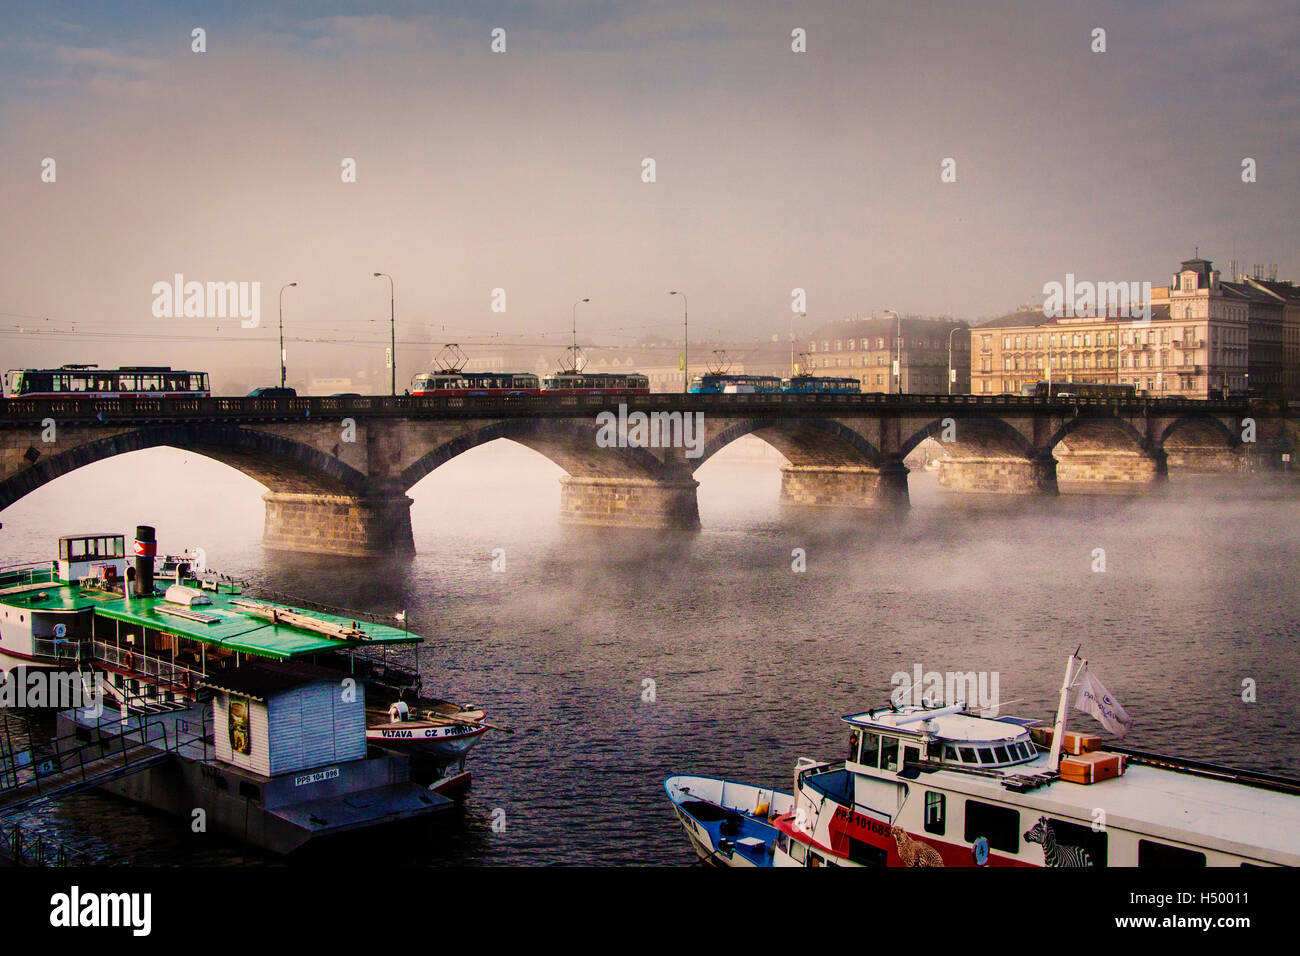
(620, 659)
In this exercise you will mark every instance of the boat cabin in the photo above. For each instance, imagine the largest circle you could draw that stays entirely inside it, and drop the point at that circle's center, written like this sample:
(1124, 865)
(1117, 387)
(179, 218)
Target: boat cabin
(286, 717)
(101, 556)
(905, 740)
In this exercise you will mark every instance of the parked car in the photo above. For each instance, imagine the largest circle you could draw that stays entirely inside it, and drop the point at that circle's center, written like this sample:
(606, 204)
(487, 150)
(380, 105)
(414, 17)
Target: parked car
(273, 391)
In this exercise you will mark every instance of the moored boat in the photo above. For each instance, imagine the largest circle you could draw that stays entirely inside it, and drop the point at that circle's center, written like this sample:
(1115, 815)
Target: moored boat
(931, 786)
(729, 824)
(187, 693)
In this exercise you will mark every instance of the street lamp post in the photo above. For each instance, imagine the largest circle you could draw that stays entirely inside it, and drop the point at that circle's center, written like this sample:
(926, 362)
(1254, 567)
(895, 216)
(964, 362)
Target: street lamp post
(686, 342)
(573, 352)
(282, 288)
(898, 352)
(802, 315)
(950, 332)
(392, 324)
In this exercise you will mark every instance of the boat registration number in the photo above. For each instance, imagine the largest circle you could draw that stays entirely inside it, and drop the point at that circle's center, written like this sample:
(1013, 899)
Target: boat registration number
(316, 777)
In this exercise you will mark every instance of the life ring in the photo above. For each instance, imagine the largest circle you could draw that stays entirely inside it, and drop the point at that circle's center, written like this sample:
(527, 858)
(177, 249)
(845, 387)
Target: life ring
(128, 660)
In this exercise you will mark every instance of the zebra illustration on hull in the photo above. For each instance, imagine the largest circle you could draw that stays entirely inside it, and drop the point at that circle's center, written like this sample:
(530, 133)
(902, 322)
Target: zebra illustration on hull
(1053, 853)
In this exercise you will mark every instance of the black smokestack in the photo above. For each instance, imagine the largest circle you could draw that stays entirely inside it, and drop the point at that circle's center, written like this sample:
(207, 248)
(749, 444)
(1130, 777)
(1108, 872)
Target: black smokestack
(145, 549)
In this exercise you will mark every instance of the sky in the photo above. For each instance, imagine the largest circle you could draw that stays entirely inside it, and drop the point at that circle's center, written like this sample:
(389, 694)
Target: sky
(775, 170)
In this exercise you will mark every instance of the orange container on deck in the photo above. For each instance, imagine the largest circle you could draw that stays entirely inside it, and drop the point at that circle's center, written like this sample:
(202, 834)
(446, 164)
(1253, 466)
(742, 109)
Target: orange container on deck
(1071, 743)
(1091, 767)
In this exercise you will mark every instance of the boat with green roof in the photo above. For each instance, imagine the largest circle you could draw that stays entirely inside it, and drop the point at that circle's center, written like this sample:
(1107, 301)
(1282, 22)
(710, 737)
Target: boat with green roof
(283, 723)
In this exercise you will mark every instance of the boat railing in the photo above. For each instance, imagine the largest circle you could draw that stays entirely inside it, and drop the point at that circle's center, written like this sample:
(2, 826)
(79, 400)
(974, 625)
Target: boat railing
(1199, 768)
(67, 763)
(31, 572)
(145, 666)
(59, 649)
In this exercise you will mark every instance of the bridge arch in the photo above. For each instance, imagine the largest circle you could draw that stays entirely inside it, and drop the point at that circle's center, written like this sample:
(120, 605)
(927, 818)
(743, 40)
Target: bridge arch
(281, 464)
(1207, 428)
(976, 436)
(805, 442)
(567, 443)
(1095, 429)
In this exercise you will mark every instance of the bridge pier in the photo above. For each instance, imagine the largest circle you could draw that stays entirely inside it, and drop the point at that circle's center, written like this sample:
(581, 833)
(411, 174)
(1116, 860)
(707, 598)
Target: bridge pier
(1120, 469)
(1184, 461)
(629, 502)
(845, 486)
(369, 526)
(1004, 476)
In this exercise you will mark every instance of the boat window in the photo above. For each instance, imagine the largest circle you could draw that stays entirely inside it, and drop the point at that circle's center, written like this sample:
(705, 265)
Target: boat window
(1151, 853)
(870, 750)
(950, 753)
(866, 854)
(889, 753)
(968, 755)
(999, 825)
(1000, 754)
(911, 756)
(798, 851)
(934, 812)
(1082, 837)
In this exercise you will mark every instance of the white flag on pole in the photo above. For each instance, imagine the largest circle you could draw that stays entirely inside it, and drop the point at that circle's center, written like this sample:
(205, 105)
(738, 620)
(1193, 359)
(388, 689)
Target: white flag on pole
(1094, 699)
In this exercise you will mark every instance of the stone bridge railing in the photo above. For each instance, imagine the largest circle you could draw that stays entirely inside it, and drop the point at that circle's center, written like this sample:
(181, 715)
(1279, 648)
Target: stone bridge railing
(33, 411)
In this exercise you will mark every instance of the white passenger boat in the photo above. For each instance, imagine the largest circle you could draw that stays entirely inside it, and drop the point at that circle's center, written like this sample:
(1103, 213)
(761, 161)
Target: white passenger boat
(946, 786)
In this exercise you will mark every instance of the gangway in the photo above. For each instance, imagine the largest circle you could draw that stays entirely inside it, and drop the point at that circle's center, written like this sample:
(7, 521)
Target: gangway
(66, 765)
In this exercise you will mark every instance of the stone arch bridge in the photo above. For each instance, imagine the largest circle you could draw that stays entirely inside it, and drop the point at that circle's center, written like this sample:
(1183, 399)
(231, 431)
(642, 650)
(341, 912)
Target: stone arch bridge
(338, 470)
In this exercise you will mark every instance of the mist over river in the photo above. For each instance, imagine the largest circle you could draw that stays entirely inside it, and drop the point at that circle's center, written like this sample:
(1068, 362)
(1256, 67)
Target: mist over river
(752, 663)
